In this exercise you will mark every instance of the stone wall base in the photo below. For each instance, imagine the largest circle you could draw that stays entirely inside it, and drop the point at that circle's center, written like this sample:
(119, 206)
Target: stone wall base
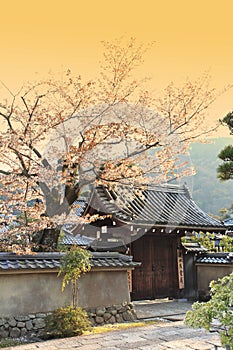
(113, 314)
(32, 326)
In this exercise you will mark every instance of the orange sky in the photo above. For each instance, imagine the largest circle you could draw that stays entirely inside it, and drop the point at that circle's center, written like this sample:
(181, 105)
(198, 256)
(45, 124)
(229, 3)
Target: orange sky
(190, 38)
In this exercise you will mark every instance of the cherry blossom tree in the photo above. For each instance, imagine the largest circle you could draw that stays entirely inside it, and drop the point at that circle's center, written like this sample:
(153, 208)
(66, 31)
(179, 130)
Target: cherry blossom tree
(60, 135)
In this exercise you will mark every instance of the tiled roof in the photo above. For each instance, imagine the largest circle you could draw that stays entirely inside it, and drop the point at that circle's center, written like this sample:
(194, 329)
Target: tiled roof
(194, 247)
(228, 222)
(79, 240)
(112, 259)
(40, 261)
(108, 246)
(79, 206)
(10, 261)
(216, 258)
(159, 205)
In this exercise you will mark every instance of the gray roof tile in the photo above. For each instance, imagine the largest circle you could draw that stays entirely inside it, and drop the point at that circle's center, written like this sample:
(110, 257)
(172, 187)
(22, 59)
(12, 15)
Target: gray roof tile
(11, 261)
(70, 239)
(216, 258)
(194, 247)
(157, 205)
(228, 222)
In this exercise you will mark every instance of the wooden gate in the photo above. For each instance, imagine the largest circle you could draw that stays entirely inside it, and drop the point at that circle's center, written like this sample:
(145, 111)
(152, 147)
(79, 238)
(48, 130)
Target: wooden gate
(157, 277)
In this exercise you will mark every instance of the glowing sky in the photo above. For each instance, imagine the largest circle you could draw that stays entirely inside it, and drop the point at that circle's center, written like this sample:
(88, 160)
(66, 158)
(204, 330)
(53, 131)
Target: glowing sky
(190, 37)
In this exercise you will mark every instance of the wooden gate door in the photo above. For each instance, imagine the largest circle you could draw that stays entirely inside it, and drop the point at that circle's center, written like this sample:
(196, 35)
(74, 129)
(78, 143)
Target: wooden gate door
(157, 277)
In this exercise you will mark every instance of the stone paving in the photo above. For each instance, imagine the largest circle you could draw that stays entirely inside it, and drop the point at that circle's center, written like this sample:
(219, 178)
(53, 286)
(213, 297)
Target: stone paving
(159, 336)
(162, 308)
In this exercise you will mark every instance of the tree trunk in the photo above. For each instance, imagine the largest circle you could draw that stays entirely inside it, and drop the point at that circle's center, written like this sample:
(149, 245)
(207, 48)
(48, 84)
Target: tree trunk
(75, 294)
(46, 240)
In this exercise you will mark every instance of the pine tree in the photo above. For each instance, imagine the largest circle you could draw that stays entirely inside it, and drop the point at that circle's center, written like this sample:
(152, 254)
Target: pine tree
(225, 169)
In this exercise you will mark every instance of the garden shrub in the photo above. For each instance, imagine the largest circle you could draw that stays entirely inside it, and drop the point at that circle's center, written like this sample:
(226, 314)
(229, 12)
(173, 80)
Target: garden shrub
(219, 309)
(66, 322)
(70, 320)
(8, 342)
(74, 264)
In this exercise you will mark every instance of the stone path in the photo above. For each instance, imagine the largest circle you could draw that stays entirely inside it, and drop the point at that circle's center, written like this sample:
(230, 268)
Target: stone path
(162, 308)
(163, 335)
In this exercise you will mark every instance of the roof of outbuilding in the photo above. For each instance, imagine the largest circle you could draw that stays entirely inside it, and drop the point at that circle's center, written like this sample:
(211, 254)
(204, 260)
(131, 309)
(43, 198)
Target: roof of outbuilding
(79, 240)
(228, 222)
(168, 205)
(112, 259)
(40, 261)
(194, 247)
(216, 258)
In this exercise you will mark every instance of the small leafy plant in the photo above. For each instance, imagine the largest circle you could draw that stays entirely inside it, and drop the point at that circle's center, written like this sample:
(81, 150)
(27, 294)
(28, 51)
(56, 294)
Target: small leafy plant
(66, 322)
(219, 308)
(75, 263)
(70, 320)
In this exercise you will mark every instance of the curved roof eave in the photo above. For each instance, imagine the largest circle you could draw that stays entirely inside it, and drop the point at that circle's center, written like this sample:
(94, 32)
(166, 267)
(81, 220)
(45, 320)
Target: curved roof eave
(159, 203)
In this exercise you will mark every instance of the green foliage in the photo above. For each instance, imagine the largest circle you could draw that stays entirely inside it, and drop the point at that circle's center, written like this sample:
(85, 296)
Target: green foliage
(205, 182)
(70, 320)
(206, 240)
(226, 153)
(8, 342)
(66, 322)
(227, 244)
(225, 171)
(74, 263)
(224, 213)
(219, 307)
(228, 120)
